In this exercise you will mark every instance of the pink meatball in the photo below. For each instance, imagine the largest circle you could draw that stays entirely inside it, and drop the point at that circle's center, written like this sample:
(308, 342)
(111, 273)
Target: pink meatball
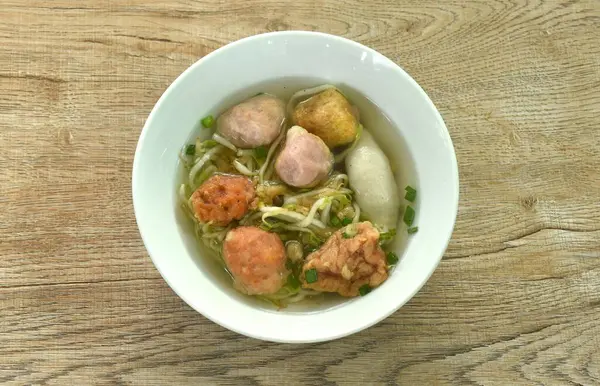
(256, 259)
(305, 160)
(254, 122)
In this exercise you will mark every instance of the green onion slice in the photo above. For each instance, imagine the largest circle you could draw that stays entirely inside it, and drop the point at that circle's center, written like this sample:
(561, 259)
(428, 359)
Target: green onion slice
(190, 149)
(208, 121)
(311, 275)
(409, 215)
(392, 258)
(364, 289)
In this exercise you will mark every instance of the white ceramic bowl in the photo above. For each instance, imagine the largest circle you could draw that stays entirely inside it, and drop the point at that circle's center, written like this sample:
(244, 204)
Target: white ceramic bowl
(419, 138)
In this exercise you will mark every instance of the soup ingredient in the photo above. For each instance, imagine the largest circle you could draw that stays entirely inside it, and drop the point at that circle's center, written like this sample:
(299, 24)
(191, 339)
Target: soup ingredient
(344, 265)
(305, 160)
(271, 193)
(387, 237)
(294, 250)
(365, 289)
(261, 152)
(311, 276)
(256, 260)
(190, 149)
(373, 183)
(220, 140)
(208, 121)
(335, 221)
(392, 258)
(412, 230)
(223, 198)
(252, 123)
(409, 215)
(328, 115)
(411, 193)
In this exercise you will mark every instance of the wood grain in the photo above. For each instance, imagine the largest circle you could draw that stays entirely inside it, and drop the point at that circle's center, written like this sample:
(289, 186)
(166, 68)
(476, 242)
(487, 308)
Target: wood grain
(516, 300)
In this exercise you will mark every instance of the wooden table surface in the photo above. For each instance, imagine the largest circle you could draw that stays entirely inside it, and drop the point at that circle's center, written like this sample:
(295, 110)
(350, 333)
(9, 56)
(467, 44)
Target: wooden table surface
(515, 301)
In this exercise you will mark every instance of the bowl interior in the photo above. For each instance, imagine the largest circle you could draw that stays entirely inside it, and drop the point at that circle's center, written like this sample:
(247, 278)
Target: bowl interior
(416, 142)
(371, 117)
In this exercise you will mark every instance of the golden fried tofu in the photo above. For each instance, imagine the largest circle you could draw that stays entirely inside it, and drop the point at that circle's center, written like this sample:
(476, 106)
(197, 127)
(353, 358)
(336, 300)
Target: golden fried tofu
(329, 116)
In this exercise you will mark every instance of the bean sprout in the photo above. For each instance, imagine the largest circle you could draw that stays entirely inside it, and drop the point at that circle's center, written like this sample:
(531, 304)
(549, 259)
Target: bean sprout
(356, 212)
(290, 216)
(319, 192)
(245, 152)
(325, 212)
(200, 164)
(311, 214)
(209, 171)
(261, 172)
(295, 229)
(182, 195)
(224, 142)
(249, 219)
(243, 169)
(342, 177)
(184, 157)
(303, 293)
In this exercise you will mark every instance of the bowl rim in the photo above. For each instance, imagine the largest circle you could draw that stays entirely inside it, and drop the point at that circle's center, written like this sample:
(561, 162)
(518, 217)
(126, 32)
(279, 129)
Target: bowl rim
(293, 33)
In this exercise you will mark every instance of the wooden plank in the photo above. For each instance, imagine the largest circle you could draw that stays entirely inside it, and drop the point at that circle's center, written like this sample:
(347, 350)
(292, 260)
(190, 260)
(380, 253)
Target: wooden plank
(516, 299)
(455, 330)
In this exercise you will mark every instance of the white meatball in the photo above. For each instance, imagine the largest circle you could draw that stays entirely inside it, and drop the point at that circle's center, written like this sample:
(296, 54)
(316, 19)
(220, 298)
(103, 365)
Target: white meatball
(373, 183)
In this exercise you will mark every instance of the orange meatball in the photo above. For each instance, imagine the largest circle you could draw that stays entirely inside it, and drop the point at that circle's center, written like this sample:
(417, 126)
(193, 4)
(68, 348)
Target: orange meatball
(256, 260)
(223, 198)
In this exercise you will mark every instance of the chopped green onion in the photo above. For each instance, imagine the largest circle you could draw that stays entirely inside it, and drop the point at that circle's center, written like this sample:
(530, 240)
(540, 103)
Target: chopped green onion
(209, 143)
(411, 193)
(364, 289)
(409, 215)
(208, 121)
(387, 235)
(350, 231)
(346, 221)
(335, 221)
(412, 230)
(190, 149)
(261, 152)
(293, 281)
(392, 258)
(267, 224)
(289, 264)
(311, 275)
